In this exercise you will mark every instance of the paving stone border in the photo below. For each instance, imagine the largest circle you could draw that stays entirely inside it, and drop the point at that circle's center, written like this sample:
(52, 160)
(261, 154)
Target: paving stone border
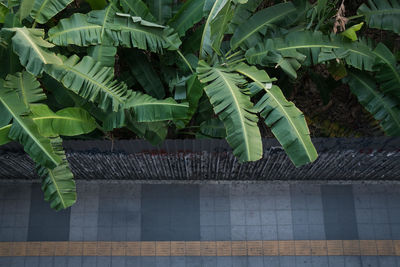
(374, 158)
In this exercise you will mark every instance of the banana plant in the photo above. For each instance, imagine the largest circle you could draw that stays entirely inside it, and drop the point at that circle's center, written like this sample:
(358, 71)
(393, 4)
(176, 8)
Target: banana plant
(159, 67)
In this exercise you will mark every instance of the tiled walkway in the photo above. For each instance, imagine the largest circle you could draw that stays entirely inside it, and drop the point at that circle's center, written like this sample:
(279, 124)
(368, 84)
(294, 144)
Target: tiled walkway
(229, 224)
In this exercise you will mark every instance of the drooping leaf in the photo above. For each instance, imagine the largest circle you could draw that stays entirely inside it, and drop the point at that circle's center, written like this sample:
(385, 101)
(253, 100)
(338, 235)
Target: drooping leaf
(287, 123)
(248, 33)
(383, 107)
(90, 80)
(27, 87)
(58, 183)
(206, 41)
(75, 30)
(234, 108)
(382, 14)
(128, 31)
(137, 8)
(29, 45)
(67, 122)
(188, 15)
(144, 73)
(43, 10)
(309, 48)
(104, 54)
(25, 131)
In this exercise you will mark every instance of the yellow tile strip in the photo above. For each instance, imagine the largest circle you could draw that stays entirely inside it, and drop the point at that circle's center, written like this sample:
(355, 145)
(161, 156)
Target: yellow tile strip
(204, 248)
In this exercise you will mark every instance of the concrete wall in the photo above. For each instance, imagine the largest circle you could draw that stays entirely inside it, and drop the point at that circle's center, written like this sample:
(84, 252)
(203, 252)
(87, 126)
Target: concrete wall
(339, 159)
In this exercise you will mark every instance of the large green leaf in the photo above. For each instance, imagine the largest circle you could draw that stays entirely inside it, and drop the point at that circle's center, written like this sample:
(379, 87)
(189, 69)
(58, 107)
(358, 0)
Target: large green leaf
(382, 14)
(58, 183)
(388, 75)
(161, 9)
(25, 131)
(309, 48)
(90, 80)
(206, 41)
(108, 27)
(43, 10)
(137, 8)
(248, 33)
(103, 18)
(286, 121)
(234, 108)
(29, 45)
(383, 107)
(188, 15)
(27, 87)
(148, 109)
(144, 73)
(75, 30)
(127, 31)
(68, 121)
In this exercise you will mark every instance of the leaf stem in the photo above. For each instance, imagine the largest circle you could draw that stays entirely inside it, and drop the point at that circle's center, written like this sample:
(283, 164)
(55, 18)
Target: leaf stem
(234, 54)
(185, 60)
(236, 61)
(355, 17)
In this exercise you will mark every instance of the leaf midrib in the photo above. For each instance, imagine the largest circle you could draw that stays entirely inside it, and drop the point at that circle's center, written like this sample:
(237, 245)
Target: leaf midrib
(34, 46)
(74, 29)
(27, 130)
(309, 46)
(52, 177)
(284, 111)
(221, 74)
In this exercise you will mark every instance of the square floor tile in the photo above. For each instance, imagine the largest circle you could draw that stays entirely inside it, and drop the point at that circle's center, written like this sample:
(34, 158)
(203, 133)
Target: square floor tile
(171, 212)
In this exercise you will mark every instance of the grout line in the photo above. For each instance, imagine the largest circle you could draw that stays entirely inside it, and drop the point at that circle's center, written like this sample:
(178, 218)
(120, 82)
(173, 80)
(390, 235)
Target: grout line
(204, 248)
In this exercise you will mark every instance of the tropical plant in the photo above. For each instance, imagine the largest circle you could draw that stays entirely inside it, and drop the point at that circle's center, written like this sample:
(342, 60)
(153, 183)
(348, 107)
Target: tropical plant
(198, 66)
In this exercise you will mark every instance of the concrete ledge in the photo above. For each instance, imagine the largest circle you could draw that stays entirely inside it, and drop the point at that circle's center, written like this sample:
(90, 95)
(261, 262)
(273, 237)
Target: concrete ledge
(339, 159)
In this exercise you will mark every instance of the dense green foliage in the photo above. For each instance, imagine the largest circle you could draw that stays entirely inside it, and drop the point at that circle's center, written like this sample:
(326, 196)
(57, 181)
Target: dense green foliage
(199, 66)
